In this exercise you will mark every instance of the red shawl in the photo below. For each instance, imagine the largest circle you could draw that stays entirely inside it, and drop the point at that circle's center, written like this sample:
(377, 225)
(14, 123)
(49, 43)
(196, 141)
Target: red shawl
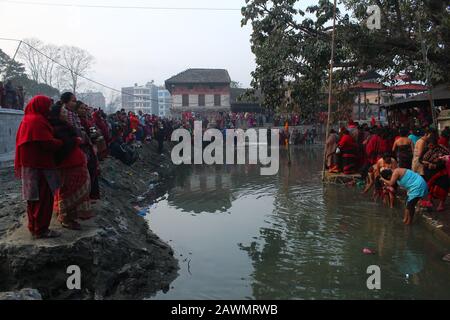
(102, 125)
(134, 122)
(347, 143)
(374, 149)
(34, 128)
(34, 125)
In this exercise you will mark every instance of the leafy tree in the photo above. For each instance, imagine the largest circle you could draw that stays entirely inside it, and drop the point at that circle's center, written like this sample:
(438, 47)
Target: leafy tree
(10, 68)
(407, 26)
(15, 71)
(293, 47)
(236, 84)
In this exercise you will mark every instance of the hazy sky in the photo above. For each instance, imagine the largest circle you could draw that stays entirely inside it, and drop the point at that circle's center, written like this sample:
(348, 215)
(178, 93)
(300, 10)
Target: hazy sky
(139, 45)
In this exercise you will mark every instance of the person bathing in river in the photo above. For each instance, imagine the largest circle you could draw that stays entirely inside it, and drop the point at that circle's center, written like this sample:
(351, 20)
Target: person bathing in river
(387, 193)
(374, 179)
(419, 148)
(404, 149)
(414, 184)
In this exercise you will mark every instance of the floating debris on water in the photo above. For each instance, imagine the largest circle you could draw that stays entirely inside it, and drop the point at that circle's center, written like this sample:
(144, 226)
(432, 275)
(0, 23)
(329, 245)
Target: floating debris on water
(368, 251)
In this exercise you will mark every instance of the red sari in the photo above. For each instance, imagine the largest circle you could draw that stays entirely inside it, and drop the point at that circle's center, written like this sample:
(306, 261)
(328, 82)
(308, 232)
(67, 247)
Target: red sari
(35, 164)
(72, 200)
(349, 150)
(92, 159)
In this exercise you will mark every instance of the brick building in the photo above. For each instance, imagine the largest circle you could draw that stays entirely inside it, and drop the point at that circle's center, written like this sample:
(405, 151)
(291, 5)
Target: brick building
(202, 91)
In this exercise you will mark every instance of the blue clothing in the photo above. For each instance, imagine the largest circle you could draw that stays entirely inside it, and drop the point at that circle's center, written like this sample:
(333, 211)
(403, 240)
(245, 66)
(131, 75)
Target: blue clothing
(414, 138)
(414, 184)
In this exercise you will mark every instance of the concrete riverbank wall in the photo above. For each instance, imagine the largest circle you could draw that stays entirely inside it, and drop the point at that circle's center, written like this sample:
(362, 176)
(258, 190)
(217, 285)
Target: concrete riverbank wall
(9, 123)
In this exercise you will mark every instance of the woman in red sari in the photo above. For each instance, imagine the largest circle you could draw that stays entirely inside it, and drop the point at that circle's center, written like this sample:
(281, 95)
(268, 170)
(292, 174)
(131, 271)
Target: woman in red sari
(436, 173)
(101, 124)
(35, 165)
(348, 151)
(72, 200)
(88, 148)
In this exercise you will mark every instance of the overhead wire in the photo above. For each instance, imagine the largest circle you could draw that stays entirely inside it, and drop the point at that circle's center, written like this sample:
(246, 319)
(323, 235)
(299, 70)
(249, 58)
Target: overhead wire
(140, 98)
(52, 4)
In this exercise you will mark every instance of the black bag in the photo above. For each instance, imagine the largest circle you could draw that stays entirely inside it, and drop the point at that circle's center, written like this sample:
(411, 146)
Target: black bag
(123, 152)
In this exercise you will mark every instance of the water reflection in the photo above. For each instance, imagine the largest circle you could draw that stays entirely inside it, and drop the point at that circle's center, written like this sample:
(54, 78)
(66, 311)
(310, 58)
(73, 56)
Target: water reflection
(288, 237)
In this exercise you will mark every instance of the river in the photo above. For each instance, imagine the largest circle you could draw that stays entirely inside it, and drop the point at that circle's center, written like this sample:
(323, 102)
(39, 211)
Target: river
(240, 235)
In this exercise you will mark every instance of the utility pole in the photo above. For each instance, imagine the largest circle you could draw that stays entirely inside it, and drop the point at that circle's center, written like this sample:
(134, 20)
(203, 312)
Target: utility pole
(12, 60)
(330, 89)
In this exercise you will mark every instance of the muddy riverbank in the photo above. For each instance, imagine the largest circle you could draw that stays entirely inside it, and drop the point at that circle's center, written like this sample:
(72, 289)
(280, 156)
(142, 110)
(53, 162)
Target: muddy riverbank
(119, 257)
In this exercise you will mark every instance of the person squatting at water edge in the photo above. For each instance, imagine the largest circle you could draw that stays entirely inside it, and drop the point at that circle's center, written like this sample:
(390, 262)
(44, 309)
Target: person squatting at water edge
(415, 185)
(364, 150)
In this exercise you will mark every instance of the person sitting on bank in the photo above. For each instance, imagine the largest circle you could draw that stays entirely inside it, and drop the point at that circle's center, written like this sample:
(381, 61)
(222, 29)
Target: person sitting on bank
(415, 185)
(435, 173)
(348, 152)
(331, 145)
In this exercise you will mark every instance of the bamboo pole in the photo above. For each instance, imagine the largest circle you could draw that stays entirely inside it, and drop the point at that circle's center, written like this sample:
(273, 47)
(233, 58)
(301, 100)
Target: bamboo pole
(330, 90)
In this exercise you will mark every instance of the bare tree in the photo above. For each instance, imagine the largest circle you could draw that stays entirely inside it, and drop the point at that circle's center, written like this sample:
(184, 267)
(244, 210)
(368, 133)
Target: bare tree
(60, 79)
(79, 62)
(113, 102)
(48, 66)
(32, 59)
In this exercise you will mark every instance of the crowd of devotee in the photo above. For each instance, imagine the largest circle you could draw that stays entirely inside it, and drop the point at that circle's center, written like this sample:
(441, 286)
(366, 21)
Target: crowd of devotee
(59, 146)
(416, 159)
(11, 97)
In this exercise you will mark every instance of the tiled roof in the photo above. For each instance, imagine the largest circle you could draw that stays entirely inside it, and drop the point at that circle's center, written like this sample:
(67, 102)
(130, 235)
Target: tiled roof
(200, 76)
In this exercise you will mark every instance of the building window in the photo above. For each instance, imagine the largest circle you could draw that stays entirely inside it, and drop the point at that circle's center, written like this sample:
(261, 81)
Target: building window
(201, 100)
(185, 100)
(217, 100)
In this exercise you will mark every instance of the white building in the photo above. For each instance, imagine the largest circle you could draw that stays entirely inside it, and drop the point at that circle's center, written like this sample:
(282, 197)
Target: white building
(144, 98)
(164, 103)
